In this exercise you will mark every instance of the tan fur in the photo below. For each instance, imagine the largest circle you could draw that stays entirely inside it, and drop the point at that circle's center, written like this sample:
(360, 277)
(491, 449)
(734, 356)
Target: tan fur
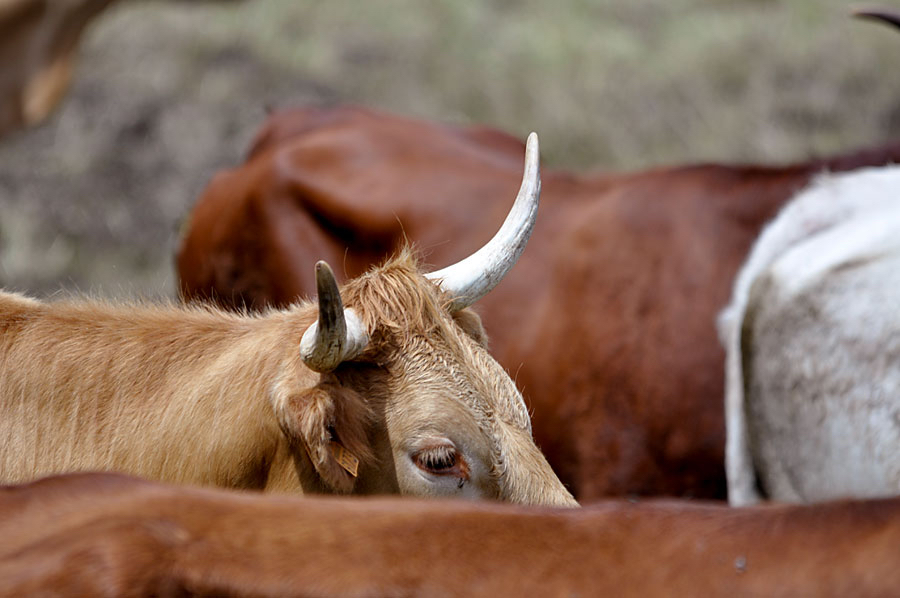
(307, 419)
(198, 395)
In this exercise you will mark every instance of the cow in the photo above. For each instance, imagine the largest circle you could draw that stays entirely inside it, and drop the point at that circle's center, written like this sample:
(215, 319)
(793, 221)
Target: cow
(607, 323)
(110, 535)
(812, 335)
(38, 43)
(390, 390)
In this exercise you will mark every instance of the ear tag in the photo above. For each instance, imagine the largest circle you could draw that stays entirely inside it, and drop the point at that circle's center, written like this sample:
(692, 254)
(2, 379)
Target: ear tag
(344, 458)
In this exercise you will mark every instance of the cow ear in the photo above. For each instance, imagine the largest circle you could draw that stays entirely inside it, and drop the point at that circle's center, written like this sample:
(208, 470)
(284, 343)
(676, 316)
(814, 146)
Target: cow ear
(330, 422)
(469, 321)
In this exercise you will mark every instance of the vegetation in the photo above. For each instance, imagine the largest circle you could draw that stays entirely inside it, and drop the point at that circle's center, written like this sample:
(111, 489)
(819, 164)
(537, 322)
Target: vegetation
(169, 92)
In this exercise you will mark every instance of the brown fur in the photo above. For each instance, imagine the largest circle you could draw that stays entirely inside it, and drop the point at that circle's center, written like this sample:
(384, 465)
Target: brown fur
(106, 535)
(203, 396)
(38, 43)
(606, 322)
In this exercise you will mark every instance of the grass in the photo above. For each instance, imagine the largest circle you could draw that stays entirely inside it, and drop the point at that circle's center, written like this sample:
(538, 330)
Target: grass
(168, 93)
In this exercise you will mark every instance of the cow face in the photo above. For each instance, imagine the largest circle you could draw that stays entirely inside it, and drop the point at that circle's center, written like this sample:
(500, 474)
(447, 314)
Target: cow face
(442, 423)
(450, 420)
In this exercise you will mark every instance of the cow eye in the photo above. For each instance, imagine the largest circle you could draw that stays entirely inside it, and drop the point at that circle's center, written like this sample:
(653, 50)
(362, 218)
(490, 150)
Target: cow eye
(437, 460)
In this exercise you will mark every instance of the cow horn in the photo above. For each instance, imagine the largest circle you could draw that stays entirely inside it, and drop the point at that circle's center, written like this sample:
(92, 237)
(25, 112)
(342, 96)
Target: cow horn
(338, 334)
(884, 15)
(469, 280)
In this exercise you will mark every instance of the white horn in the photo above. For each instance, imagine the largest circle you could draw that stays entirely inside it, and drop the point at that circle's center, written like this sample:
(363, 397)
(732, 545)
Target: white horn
(471, 279)
(338, 334)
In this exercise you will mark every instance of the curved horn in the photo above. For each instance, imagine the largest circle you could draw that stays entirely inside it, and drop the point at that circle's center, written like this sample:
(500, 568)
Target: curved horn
(338, 334)
(471, 279)
(885, 15)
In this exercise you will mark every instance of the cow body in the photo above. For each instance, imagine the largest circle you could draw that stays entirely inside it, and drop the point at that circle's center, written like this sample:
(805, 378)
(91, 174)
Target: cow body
(607, 322)
(813, 340)
(114, 536)
(140, 389)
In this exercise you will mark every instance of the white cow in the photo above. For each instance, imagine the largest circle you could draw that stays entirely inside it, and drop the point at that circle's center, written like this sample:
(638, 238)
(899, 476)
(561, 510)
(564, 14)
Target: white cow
(812, 336)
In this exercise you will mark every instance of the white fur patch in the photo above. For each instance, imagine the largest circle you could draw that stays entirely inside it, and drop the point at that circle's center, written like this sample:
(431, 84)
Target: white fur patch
(839, 220)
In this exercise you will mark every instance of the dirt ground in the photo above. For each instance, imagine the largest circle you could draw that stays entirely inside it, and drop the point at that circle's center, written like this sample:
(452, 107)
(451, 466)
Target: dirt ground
(167, 93)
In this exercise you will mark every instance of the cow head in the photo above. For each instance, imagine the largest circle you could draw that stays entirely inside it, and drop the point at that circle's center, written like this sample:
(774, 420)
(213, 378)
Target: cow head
(408, 399)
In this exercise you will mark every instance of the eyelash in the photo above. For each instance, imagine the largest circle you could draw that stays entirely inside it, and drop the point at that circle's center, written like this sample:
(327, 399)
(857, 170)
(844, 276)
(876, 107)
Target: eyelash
(438, 460)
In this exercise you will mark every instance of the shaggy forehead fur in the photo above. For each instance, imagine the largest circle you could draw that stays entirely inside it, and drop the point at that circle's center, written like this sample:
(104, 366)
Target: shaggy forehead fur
(407, 318)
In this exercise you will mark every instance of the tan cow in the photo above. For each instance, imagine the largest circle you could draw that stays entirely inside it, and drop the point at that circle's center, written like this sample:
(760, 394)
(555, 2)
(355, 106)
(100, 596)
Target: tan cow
(107, 535)
(395, 393)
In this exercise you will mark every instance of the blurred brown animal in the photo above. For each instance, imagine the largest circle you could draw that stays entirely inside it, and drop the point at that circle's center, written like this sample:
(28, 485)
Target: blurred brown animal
(38, 45)
(607, 323)
(395, 393)
(109, 535)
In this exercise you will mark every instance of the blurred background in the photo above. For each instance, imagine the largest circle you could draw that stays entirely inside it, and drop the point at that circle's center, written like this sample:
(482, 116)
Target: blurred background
(165, 93)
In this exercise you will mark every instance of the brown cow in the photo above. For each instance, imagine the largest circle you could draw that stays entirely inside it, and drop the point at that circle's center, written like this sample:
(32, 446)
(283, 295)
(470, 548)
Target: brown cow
(108, 535)
(38, 43)
(608, 321)
(395, 393)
